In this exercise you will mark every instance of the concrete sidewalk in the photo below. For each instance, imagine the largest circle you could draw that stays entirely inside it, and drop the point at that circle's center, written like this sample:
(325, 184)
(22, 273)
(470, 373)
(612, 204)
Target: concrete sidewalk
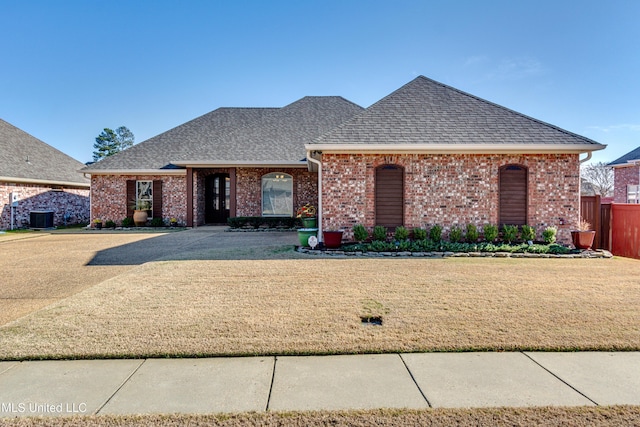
(292, 383)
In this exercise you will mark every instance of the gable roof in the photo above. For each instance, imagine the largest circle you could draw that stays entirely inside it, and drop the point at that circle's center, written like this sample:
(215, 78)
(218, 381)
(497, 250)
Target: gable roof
(236, 136)
(425, 115)
(25, 158)
(627, 158)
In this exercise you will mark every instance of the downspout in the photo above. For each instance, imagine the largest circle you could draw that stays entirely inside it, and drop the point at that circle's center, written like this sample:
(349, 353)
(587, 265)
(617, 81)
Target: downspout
(319, 164)
(589, 154)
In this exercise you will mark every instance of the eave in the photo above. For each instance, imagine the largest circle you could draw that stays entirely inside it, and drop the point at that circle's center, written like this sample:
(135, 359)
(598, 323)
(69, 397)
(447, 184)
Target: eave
(239, 163)
(174, 172)
(12, 179)
(454, 148)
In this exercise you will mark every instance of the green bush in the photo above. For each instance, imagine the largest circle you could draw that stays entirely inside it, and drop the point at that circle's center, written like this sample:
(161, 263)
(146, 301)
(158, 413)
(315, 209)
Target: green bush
(259, 221)
(471, 235)
(360, 233)
(379, 233)
(157, 222)
(549, 235)
(419, 233)
(110, 224)
(127, 222)
(455, 235)
(435, 233)
(401, 234)
(510, 233)
(490, 233)
(528, 233)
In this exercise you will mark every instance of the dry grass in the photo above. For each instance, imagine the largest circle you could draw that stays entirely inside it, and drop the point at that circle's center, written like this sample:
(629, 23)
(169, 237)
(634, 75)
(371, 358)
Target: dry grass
(584, 416)
(33, 262)
(313, 306)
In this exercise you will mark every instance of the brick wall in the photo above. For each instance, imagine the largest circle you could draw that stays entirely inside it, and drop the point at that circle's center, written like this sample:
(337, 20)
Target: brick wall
(249, 188)
(622, 177)
(109, 196)
(70, 202)
(109, 202)
(451, 190)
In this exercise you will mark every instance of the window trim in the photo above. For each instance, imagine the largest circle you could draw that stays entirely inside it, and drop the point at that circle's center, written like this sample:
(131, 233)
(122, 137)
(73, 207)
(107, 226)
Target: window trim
(150, 197)
(277, 175)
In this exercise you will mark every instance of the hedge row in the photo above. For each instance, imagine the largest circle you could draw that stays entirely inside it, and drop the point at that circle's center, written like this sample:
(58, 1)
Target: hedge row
(256, 222)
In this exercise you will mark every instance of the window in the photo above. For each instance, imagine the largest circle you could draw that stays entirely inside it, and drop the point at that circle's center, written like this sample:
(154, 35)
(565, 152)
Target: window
(633, 193)
(144, 195)
(277, 194)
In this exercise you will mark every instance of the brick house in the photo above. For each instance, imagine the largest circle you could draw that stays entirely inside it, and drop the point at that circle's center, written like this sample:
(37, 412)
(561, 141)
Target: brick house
(626, 178)
(42, 178)
(425, 154)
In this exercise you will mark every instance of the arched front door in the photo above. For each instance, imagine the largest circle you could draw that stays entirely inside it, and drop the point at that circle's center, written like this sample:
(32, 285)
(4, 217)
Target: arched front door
(513, 195)
(389, 196)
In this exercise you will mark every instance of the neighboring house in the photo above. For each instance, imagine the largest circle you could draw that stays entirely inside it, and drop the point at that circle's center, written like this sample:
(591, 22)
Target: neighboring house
(626, 178)
(42, 178)
(426, 154)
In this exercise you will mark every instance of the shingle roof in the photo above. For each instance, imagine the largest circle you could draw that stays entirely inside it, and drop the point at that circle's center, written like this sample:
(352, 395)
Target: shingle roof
(179, 142)
(632, 155)
(425, 112)
(24, 157)
(236, 135)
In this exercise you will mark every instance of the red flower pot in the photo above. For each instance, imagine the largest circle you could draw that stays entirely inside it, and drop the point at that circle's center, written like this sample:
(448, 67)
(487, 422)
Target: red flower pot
(332, 239)
(583, 239)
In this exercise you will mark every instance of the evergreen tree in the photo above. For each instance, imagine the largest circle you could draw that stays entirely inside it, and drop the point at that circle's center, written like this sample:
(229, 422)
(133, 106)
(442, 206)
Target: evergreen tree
(109, 142)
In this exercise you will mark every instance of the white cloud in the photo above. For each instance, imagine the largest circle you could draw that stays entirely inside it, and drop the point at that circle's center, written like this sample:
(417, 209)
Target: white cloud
(620, 127)
(515, 68)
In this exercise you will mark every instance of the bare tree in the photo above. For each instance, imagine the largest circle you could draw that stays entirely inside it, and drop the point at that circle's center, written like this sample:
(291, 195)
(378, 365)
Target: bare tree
(600, 176)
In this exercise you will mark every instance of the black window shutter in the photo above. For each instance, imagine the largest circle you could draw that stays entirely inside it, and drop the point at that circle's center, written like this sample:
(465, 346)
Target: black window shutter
(131, 197)
(157, 199)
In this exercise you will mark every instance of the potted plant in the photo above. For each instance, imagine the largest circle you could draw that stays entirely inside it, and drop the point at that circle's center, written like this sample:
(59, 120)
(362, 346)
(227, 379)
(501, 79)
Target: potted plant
(583, 237)
(307, 215)
(141, 212)
(332, 238)
(173, 222)
(97, 223)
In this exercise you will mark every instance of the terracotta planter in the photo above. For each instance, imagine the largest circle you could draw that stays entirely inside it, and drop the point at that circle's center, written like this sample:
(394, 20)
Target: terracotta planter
(140, 218)
(332, 239)
(310, 222)
(583, 239)
(305, 233)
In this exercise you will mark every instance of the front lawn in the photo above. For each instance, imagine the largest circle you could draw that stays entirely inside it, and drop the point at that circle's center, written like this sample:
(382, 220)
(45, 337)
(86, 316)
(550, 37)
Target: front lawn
(316, 306)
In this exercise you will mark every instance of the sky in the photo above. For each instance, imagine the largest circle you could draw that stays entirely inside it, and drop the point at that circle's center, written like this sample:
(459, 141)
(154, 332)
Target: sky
(71, 68)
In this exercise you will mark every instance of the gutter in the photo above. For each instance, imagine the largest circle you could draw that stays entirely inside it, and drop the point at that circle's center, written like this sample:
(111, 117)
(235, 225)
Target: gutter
(455, 148)
(44, 182)
(319, 164)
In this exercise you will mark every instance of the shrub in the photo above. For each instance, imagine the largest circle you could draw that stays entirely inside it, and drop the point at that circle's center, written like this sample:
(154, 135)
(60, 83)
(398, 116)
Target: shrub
(510, 233)
(472, 233)
(110, 224)
(419, 233)
(258, 221)
(435, 233)
(528, 233)
(455, 235)
(360, 233)
(157, 222)
(401, 234)
(127, 222)
(379, 233)
(549, 235)
(490, 233)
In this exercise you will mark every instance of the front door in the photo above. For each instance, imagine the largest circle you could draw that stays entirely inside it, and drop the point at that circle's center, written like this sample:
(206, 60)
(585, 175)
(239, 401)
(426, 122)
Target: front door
(217, 198)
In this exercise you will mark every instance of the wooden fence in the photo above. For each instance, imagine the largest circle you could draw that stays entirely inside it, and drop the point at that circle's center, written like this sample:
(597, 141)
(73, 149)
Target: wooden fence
(617, 225)
(625, 230)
